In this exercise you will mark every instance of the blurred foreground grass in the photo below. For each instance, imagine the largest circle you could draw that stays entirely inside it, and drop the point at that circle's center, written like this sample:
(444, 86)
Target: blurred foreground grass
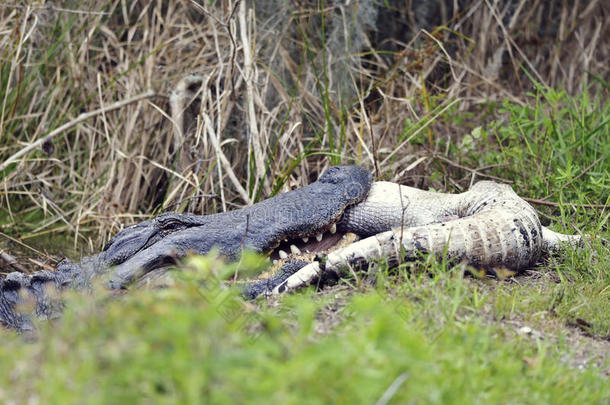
(434, 338)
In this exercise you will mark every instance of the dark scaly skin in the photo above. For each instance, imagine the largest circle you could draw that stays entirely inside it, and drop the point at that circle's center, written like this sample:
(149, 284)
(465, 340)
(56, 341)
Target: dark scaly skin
(154, 244)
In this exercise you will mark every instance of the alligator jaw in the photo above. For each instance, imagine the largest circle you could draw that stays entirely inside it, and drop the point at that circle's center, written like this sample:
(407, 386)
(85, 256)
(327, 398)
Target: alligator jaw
(298, 248)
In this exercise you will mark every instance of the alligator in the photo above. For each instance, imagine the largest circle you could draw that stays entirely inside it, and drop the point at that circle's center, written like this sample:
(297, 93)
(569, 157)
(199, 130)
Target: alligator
(162, 241)
(487, 226)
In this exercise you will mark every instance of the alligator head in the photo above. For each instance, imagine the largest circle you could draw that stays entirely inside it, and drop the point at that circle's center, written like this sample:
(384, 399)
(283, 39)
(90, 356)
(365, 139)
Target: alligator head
(132, 253)
(298, 214)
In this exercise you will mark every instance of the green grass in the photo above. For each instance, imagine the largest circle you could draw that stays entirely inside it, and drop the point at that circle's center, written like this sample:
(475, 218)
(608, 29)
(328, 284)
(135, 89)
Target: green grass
(434, 335)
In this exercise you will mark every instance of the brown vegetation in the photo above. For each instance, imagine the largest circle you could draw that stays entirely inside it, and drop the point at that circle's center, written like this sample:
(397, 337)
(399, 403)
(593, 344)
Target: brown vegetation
(286, 89)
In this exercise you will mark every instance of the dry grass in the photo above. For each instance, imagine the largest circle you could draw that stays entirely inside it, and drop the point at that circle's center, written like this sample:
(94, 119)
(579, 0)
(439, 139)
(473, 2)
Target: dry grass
(281, 95)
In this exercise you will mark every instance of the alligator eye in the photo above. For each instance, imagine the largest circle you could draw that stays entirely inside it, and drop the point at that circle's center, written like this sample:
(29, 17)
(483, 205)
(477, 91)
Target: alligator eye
(170, 223)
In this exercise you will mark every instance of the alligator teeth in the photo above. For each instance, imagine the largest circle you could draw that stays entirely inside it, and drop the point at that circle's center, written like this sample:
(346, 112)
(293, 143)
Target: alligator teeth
(283, 255)
(295, 250)
(333, 229)
(319, 237)
(305, 239)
